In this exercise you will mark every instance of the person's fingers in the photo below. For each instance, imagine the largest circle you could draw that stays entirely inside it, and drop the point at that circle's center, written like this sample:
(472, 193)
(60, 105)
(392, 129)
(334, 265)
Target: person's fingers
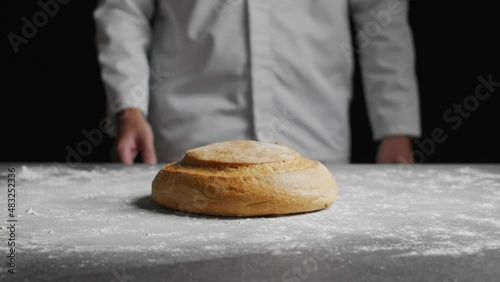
(394, 157)
(382, 155)
(395, 150)
(404, 155)
(126, 150)
(384, 158)
(147, 149)
(135, 136)
(402, 160)
(391, 156)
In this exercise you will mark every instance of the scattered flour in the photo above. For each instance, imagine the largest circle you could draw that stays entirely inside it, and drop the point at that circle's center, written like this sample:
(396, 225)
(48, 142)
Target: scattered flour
(30, 174)
(426, 211)
(31, 212)
(490, 220)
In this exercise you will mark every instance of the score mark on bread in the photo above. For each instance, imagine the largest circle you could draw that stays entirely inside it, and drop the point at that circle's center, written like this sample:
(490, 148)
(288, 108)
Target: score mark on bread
(244, 178)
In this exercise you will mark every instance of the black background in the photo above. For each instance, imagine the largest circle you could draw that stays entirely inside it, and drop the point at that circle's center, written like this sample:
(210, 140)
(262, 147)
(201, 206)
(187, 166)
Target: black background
(51, 89)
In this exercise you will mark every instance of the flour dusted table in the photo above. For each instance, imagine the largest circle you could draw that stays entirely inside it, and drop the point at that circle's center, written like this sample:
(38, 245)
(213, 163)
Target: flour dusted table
(97, 222)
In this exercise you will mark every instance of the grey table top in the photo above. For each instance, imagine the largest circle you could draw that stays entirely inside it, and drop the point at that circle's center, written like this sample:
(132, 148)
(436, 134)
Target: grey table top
(97, 222)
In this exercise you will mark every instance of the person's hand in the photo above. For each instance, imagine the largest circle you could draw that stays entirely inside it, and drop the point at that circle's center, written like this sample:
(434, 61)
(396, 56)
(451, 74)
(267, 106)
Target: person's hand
(134, 136)
(395, 149)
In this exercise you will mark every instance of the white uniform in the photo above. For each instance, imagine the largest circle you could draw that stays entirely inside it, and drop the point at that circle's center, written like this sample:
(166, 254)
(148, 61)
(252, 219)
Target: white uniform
(271, 70)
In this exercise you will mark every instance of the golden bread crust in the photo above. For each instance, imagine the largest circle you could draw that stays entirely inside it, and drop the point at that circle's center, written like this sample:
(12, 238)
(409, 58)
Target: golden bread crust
(239, 152)
(229, 180)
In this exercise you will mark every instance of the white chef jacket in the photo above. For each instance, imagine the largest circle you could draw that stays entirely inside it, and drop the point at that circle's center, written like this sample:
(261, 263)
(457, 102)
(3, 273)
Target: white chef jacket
(204, 71)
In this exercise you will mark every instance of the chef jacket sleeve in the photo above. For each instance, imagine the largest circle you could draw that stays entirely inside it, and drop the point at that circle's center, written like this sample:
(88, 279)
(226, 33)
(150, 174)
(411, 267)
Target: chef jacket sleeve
(386, 58)
(123, 36)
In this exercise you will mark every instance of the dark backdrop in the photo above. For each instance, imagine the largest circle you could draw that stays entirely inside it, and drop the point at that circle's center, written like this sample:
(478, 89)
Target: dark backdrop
(52, 90)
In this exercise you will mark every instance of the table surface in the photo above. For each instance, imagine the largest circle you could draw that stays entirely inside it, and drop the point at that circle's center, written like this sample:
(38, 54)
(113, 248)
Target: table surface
(97, 222)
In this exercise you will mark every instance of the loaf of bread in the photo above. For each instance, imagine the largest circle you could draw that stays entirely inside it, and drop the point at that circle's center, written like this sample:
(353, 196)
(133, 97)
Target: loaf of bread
(244, 178)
